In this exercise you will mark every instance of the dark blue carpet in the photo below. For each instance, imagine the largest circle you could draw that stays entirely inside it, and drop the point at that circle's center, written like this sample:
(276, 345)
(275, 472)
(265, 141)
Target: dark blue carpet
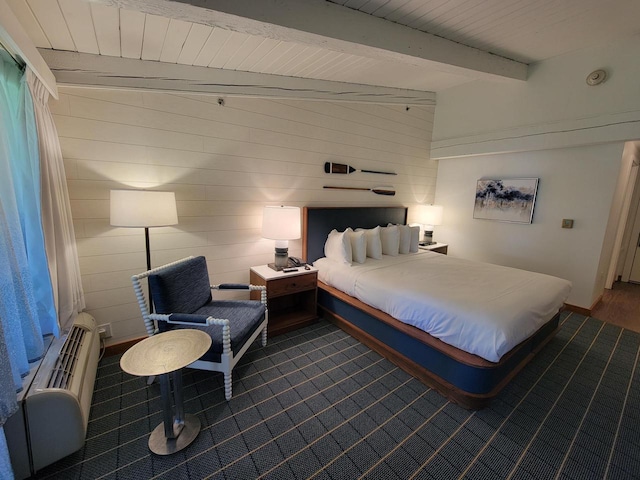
(316, 403)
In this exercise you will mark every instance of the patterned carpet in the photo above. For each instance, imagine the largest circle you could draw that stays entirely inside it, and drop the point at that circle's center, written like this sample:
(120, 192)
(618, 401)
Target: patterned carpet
(318, 404)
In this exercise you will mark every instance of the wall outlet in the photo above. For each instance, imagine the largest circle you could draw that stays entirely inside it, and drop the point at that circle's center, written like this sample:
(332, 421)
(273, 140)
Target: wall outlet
(104, 330)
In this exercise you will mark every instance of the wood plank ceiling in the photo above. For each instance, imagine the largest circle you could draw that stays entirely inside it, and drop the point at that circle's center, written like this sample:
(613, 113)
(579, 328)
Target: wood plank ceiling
(522, 30)
(527, 31)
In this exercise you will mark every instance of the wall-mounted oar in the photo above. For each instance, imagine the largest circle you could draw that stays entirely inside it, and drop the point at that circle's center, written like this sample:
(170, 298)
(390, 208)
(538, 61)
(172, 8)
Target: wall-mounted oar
(378, 190)
(330, 167)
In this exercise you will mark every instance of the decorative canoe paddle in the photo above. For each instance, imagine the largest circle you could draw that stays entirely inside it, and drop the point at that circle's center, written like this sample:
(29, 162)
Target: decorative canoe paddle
(330, 167)
(378, 190)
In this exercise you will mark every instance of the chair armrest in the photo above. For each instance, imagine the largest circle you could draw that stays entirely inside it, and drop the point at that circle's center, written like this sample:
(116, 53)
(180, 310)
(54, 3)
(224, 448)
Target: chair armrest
(191, 319)
(237, 286)
(232, 286)
(243, 286)
(188, 319)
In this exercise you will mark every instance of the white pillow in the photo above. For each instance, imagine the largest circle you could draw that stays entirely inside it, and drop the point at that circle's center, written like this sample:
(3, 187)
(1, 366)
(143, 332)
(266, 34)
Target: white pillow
(374, 245)
(405, 238)
(390, 237)
(358, 245)
(415, 239)
(338, 247)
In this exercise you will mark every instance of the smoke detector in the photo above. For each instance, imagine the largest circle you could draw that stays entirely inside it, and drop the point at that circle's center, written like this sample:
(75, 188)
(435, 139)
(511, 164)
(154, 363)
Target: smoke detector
(596, 77)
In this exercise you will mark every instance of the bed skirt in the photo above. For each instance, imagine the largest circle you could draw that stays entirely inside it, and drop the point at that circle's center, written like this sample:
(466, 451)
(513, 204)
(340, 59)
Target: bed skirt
(463, 378)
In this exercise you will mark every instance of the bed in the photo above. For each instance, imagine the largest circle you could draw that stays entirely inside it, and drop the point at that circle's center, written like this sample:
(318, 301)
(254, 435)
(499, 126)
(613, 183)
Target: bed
(467, 374)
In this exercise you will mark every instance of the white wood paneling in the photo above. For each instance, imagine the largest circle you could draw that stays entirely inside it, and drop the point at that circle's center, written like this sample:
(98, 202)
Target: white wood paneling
(524, 30)
(215, 41)
(314, 23)
(80, 24)
(155, 31)
(29, 22)
(196, 39)
(14, 39)
(427, 45)
(99, 70)
(50, 17)
(233, 43)
(106, 22)
(177, 33)
(131, 33)
(248, 46)
(225, 164)
(265, 47)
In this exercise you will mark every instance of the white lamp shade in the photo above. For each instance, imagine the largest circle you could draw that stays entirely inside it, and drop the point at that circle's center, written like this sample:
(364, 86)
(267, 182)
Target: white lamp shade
(143, 208)
(281, 223)
(430, 214)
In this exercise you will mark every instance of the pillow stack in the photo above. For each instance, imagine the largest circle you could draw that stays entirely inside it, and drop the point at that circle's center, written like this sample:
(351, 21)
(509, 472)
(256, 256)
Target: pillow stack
(409, 238)
(355, 246)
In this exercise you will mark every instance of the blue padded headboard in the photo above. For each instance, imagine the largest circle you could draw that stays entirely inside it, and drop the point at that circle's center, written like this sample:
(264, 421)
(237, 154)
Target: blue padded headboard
(319, 221)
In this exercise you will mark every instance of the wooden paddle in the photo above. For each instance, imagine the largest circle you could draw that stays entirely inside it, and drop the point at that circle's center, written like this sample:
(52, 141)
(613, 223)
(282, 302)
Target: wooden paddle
(378, 190)
(330, 167)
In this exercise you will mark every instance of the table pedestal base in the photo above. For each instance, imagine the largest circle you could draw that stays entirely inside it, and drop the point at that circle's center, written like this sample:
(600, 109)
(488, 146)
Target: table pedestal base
(161, 445)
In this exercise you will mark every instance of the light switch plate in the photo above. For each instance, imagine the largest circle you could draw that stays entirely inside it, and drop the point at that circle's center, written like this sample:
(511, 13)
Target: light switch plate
(567, 223)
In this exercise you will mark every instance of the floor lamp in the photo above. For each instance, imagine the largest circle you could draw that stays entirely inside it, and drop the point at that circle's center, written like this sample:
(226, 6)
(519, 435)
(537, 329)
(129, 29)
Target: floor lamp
(143, 209)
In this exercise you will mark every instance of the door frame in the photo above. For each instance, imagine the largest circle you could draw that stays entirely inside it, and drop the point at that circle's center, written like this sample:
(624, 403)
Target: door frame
(632, 231)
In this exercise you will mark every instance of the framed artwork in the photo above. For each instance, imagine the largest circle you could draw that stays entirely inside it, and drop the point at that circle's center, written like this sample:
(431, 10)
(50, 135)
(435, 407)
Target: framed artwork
(506, 200)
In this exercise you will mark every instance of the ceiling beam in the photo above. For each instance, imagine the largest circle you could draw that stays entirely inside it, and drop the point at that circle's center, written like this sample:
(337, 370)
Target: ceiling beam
(85, 69)
(323, 24)
(17, 42)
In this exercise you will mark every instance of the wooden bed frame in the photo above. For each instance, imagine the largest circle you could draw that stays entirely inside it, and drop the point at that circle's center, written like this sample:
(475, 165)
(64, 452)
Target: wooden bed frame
(462, 377)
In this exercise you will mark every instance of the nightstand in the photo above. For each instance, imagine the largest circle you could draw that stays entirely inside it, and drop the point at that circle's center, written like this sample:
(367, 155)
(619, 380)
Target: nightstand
(436, 247)
(291, 297)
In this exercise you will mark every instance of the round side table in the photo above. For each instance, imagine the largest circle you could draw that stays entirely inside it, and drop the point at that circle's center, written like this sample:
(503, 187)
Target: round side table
(164, 355)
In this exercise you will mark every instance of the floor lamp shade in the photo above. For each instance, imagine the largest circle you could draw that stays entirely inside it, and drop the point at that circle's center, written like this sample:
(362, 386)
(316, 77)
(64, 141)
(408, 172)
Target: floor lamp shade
(143, 208)
(281, 223)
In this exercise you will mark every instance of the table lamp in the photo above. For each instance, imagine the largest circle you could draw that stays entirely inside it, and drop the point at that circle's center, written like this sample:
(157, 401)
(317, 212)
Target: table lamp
(143, 209)
(429, 216)
(281, 223)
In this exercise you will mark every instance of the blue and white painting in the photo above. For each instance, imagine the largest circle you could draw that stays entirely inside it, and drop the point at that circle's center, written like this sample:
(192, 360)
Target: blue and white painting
(506, 200)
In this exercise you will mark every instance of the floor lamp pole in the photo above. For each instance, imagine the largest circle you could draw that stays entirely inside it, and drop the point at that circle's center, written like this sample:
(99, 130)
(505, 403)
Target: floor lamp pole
(146, 243)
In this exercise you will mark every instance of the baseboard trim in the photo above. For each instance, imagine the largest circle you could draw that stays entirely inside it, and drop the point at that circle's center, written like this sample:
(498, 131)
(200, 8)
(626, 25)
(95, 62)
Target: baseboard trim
(597, 302)
(118, 348)
(581, 310)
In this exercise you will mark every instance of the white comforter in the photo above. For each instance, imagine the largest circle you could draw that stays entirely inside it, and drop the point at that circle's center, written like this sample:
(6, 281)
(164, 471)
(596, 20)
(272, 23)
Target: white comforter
(477, 307)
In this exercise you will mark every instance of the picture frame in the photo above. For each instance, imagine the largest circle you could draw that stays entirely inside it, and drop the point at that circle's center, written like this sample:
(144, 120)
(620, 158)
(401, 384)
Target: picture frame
(509, 200)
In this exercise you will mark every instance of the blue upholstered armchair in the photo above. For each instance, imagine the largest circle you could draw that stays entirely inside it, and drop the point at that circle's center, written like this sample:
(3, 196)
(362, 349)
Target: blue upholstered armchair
(182, 298)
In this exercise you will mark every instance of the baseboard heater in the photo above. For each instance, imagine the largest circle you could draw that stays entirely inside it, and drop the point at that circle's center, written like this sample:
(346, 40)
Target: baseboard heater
(53, 406)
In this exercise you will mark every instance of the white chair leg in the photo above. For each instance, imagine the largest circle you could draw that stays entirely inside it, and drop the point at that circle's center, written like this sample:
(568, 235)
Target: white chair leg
(151, 379)
(264, 337)
(227, 386)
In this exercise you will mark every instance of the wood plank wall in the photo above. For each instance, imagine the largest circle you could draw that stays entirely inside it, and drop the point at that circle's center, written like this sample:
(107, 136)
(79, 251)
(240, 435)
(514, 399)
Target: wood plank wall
(224, 163)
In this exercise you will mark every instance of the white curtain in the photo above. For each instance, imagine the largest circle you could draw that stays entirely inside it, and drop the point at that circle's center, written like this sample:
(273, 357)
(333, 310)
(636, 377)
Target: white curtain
(26, 301)
(57, 223)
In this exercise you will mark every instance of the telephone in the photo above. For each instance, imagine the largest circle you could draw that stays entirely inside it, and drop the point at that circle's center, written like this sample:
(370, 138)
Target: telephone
(295, 262)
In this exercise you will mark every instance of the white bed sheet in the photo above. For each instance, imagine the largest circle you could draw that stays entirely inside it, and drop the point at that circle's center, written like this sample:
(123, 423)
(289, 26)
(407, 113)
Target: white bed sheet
(480, 308)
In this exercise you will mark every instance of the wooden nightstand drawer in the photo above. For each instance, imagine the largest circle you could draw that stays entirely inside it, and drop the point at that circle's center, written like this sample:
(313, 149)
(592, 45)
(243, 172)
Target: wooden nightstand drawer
(285, 286)
(291, 297)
